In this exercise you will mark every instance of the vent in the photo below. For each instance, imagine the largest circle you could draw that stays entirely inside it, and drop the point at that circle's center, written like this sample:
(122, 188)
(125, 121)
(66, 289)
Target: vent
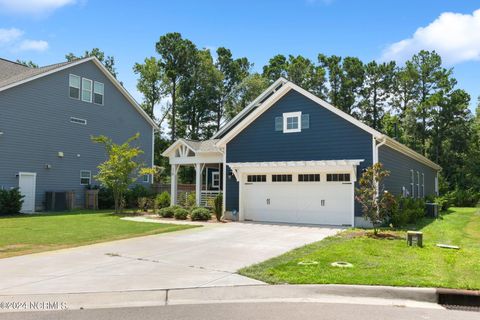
(78, 121)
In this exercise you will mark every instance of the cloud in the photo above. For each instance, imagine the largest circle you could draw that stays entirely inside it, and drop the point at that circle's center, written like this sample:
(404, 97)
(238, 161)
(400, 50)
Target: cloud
(33, 7)
(455, 36)
(13, 40)
(33, 45)
(9, 35)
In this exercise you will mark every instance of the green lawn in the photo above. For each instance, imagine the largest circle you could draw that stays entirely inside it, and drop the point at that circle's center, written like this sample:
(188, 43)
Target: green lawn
(25, 234)
(387, 262)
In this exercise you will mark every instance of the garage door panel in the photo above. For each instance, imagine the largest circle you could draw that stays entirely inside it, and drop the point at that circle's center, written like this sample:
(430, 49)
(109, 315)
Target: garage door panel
(299, 202)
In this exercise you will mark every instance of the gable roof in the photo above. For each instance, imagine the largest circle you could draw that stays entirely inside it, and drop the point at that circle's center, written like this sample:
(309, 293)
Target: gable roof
(13, 74)
(194, 145)
(254, 104)
(270, 97)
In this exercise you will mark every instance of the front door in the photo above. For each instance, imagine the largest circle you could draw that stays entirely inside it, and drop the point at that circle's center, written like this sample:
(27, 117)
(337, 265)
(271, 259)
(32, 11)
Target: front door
(27, 186)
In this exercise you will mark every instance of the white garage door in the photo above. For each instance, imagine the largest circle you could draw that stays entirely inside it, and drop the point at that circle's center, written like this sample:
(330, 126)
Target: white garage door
(313, 202)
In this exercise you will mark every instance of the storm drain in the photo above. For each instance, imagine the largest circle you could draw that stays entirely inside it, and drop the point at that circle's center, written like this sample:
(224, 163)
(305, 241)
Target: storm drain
(459, 299)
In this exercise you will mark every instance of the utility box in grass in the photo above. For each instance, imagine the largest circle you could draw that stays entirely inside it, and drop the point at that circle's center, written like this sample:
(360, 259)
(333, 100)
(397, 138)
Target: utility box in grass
(415, 238)
(432, 210)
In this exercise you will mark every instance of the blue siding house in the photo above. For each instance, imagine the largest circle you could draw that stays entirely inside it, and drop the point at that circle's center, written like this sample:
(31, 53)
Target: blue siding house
(291, 157)
(47, 117)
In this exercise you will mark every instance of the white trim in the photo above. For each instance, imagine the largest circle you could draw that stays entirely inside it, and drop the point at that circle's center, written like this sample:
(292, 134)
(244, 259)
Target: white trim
(279, 94)
(423, 185)
(217, 185)
(272, 88)
(353, 203)
(286, 87)
(89, 178)
(107, 73)
(288, 115)
(102, 94)
(173, 147)
(224, 164)
(418, 184)
(153, 153)
(79, 86)
(91, 90)
(412, 183)
(34, 174)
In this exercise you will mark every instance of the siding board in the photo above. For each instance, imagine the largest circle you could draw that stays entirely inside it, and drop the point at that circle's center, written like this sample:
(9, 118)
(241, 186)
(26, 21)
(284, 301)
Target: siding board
(35, 119)
(329, 137)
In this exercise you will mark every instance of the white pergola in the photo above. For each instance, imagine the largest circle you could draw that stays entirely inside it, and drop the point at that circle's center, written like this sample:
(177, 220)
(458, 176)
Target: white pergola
(198, 154)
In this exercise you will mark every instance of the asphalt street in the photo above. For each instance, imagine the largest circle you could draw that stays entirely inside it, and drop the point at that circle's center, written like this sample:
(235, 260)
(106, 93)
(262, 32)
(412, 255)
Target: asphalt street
(245, 311)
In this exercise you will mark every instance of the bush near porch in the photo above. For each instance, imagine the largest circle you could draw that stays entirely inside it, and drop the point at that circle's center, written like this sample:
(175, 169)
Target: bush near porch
(387, 260)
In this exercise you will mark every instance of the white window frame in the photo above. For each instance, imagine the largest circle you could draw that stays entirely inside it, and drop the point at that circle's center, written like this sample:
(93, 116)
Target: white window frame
(217, 183)
(288, 115)
(79, 121)
(423, 185)
(102, 94)
(412, 183)
(418, 184)
(79, 86)
(91, 90)
(89, 177)
(146, 178)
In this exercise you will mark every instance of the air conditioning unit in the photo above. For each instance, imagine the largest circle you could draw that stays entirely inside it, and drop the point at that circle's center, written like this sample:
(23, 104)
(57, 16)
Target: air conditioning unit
(59, 201)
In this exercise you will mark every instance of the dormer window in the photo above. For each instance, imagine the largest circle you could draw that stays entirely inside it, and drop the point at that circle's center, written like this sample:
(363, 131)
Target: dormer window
(74, 86)
(292, 122)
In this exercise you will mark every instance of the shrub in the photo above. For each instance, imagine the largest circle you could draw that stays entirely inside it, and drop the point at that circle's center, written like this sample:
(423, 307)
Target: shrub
(181, 214)
(168, 212)
(162, 200)
(200, 214)
(10, 201)
(191, 200)
(463, 198)
(105, 198)
(132, 195)
(143, 203)
(218, 206)
(408, 211)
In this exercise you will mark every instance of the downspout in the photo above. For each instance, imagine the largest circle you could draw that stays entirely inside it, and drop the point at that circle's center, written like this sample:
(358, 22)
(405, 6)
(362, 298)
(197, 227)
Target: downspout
(377, 147)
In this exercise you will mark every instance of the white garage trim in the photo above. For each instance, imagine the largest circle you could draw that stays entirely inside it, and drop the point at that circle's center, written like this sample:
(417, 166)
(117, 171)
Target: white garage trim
(242, 169)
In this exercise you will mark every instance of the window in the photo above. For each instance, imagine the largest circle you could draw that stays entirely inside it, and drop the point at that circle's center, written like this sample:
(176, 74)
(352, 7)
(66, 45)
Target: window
(215, 179)
(78, 121)
(257, 178)
(85, 177)
(309, 177)
(418, 184)
(74, 86)
(281, 178)
(86, 90)
(423, 185)
(412, 184)
(98, 89)
(146, 178)
(338, 177)
(292, 122)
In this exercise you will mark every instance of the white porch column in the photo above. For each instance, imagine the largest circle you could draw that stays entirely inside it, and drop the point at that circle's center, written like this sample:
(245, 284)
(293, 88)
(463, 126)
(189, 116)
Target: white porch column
(173, 184)
(198, 183)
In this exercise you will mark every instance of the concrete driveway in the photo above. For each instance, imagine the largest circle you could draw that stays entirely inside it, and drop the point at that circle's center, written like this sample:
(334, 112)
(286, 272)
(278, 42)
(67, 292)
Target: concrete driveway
(201, 257)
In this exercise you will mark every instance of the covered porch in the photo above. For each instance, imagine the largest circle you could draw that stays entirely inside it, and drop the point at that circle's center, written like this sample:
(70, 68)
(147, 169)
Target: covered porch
(208, 162)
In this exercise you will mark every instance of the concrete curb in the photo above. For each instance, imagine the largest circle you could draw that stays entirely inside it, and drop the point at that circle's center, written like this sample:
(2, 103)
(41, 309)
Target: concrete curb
(377, 295)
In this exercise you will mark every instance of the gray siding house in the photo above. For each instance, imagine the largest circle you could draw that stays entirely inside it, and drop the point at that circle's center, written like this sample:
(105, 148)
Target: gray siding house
(47, 117)
(291, 157)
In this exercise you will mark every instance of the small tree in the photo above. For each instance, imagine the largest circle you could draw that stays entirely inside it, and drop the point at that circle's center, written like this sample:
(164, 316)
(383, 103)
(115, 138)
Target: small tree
(120, 170)
(376, 202)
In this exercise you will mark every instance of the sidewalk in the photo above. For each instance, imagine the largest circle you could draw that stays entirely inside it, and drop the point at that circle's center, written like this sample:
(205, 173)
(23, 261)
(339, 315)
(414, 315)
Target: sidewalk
(371, 295)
